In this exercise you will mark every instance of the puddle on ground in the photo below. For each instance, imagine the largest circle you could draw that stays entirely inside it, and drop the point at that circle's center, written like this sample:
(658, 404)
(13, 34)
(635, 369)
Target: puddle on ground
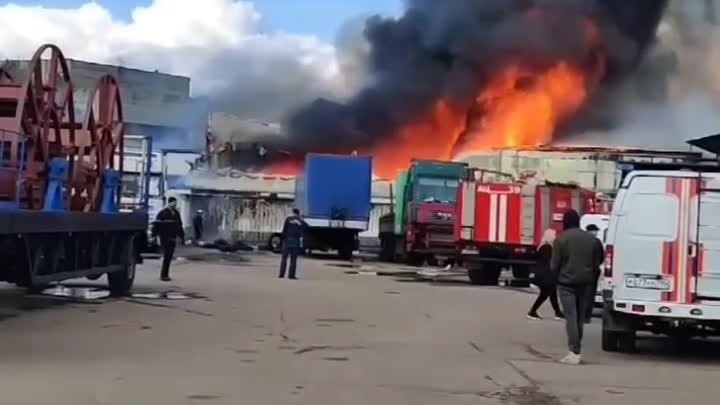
(77, 293)
(167, 295)
(97, 294)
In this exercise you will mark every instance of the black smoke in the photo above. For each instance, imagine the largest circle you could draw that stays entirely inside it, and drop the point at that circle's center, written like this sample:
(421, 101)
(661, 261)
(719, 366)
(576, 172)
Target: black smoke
(447, 49)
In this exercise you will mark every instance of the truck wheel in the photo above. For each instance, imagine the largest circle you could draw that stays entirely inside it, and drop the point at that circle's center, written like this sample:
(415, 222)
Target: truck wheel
(475, 275)
(521, 276)
(486, 274)
(415, 260)
(492, 274)
(275, 243)
(121, 282)
(346, 252)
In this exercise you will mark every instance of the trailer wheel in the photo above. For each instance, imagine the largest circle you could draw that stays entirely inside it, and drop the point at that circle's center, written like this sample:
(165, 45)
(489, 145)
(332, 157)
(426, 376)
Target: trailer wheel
(121, 282)
(346, 252)
(275, 243)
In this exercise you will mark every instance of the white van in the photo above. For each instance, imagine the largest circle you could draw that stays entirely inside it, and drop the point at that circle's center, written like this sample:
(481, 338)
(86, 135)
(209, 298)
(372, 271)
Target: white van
(601, 221)
(663, 258)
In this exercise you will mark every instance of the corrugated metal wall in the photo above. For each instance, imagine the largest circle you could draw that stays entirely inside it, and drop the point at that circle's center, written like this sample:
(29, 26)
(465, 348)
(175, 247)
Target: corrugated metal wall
(254, 220)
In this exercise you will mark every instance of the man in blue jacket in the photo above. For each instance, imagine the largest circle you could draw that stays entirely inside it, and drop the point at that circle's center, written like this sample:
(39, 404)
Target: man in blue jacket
(293, 231)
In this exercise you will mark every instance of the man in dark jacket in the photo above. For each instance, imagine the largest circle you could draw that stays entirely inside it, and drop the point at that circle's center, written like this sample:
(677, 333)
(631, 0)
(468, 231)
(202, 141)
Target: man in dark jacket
(593, 230)
(198, 226)
(168, 227)
(574, 262)
(293, 231)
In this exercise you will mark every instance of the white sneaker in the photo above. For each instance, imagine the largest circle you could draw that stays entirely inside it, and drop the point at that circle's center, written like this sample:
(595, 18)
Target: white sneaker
(572, 359)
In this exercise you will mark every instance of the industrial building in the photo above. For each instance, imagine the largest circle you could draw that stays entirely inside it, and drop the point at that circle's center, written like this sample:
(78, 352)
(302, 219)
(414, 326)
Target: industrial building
(154, 104)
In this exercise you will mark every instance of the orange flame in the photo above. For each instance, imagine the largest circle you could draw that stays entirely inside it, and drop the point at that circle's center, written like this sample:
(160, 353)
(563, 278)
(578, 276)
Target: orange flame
(519, 107)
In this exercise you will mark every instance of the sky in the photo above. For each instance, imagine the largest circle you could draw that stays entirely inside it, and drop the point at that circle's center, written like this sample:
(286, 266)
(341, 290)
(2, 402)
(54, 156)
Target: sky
(318, 17)
(260, 58)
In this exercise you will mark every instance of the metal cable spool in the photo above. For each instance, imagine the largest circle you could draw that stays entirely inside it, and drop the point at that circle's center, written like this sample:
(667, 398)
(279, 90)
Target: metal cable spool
(38, 124)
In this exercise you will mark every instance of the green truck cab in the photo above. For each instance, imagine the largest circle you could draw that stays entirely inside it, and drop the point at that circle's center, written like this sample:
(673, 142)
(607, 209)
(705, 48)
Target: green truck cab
(421, 226)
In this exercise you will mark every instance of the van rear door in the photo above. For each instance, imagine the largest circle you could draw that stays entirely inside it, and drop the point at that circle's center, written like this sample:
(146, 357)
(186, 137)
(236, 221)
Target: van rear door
(705, 254)
(651, 239)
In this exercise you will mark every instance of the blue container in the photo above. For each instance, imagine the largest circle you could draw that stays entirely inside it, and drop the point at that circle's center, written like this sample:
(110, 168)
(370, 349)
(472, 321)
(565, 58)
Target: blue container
(335, 191)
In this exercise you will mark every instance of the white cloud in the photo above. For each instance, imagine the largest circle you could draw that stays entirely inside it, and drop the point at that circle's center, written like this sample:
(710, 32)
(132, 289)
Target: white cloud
(218, 43)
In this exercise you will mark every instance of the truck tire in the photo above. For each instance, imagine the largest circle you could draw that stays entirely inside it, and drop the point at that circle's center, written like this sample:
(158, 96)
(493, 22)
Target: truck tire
(120, 282)
(475, 275)
(486, 274)
(346, 252)
(415, 260)
(521, 276)
(387, 248)
(275, 243)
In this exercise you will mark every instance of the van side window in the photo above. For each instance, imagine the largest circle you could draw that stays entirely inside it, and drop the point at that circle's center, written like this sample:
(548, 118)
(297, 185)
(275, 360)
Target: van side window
(652, 216)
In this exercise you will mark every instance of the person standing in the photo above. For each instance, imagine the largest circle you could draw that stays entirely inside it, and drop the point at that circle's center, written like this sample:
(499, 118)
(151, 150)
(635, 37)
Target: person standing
(575, 259)
(292, 232)
(544, 279)
(198, 225)
(168, 227)
(593, 230)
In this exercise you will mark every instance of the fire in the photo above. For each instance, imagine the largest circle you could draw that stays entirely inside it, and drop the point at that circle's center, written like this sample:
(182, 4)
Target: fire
(514, 114)
(522, 105)
(431, 139)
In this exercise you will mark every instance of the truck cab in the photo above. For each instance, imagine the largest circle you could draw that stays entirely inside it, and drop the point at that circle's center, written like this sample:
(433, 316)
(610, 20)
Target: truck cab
(424, 214)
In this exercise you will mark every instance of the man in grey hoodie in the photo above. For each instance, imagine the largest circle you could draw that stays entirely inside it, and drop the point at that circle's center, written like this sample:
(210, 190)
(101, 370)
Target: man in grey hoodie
(574, 263)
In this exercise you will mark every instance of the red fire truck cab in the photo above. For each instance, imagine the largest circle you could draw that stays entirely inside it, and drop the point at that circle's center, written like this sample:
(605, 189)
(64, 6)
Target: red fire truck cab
(501, 224)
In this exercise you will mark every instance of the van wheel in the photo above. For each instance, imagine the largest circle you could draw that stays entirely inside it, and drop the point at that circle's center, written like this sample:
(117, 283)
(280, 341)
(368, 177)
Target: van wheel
(626, 341)
(610, 341)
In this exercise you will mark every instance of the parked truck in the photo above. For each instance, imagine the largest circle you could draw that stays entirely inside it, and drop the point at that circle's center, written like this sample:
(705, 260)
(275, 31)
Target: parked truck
(420, 227)
(500, 224)
(334, 197)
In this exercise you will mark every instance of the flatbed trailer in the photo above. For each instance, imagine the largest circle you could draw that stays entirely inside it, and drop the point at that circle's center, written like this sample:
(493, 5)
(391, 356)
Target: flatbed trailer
(61, 181)
(38, 248)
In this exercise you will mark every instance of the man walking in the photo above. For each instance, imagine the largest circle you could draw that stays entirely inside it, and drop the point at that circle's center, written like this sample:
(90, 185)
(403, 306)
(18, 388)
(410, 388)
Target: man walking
(593, 230)
(574, 262)
(198, 226)
(168, 227)
(292, 232)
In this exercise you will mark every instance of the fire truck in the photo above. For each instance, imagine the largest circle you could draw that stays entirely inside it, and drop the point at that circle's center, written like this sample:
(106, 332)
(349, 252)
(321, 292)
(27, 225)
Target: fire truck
(501, 221)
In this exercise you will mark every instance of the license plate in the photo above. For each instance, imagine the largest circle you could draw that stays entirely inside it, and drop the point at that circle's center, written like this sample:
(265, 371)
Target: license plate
(647, 283)
(469, 251)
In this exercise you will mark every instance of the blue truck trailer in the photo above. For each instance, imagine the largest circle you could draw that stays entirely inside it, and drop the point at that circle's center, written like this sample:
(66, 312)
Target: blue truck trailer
(334, 197)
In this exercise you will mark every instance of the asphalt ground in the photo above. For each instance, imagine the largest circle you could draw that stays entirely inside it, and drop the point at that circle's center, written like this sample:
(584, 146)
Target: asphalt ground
(228, 331)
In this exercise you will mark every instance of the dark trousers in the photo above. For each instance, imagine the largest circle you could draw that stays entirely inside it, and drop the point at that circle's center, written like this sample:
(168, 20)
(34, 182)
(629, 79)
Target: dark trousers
(168, 248)
(198, 234)
(547, 291)
(574, 304)
(292, 253)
